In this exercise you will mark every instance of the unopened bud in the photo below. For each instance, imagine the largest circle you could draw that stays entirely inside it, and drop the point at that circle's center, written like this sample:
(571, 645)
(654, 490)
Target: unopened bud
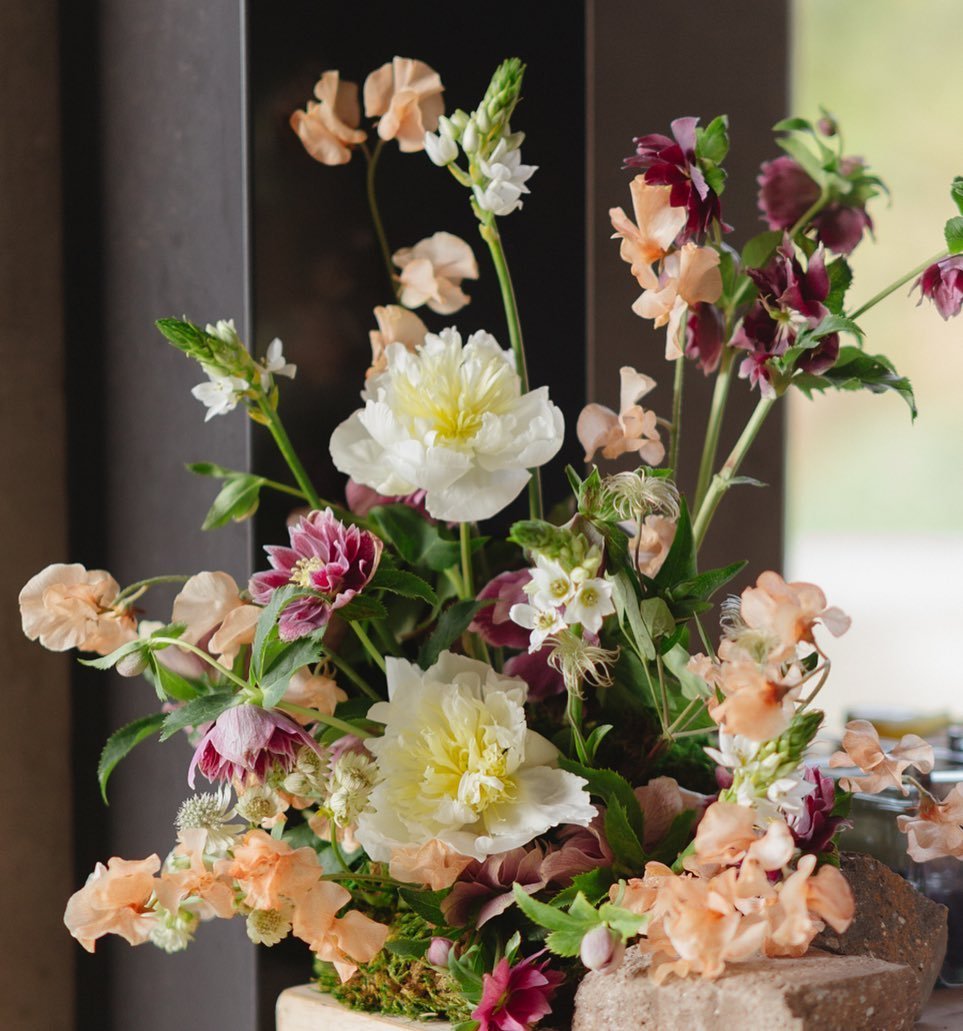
(441, 150)
(482, 121)
(602, 950)
(469, 138)
(132, 665)
(438, 951)
(827, 125)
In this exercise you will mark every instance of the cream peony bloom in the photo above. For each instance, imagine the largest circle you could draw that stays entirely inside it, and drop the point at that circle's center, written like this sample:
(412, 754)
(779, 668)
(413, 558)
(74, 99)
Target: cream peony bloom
(432, 272)
(449, 419)
(407, 96)
(329, 129)
(459, 764)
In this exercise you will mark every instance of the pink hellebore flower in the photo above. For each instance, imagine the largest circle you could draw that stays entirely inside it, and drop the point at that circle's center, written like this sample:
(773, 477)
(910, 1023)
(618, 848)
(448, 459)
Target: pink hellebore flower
(493, 622)
(326, 557)
(543, 680)
(942, 283)
(361, 499)
(484, 889)
(514, 998)
(633, 429)
(247, 739)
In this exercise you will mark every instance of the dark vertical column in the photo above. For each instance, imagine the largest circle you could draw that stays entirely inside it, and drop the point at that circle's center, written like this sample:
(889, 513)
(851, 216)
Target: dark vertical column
(647, 64)
(156, 217)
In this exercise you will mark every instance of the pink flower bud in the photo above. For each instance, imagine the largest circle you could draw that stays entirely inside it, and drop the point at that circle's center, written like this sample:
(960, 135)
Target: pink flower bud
(438, 950)
(602, 950)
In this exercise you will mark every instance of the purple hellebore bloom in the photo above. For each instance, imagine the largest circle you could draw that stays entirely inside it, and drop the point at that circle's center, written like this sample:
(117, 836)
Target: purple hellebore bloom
(543, 680)
(493, 622)
(361, 499)
(484, 889)
(673, 162)
(814, 826)
(580, 849)
(703, 336)
(327, 557)
(942, 283)
(514, 998)
(247, 739)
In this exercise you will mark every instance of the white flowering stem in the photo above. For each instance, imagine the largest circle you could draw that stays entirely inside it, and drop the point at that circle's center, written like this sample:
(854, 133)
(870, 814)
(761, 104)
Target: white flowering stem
(320, 717)
(717, 410)
(886, 291)
(201, 654)
(676, 431)
(722, 480)
(353, 676)
(372, 159)
(489, 232)
(368, 645)
(273, 422)
(135, 590)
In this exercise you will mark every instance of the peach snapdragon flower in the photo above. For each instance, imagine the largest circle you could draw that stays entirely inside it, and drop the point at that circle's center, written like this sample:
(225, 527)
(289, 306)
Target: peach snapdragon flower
(935, 831)
(689, 276)
(862, 748)
(211, 893)
(406, 97)
(114, 900)
(329, 128)
(647, 239)
(68, 606)
(433, 270)
(758, 704)
(435, 864)
(269, 872)
(632, 429)
(396, 325)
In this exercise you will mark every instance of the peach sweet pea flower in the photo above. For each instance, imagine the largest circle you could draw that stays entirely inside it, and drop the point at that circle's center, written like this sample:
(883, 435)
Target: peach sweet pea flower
(633, 429)
(395, 325)
(114, 901)
(651, 543)
(270, 872)
(68, 606)
(935, 831)
(689, 276)
(198, 880)
(432, 272)
(203, 603)
(725, 834)
(648, 239)
(406, 94)
(757, 705)
(329, 129)
(313, 691)
(862, 748)
(344, 942)
(435, 864)
(789, 611)
(805, 904)
(236, 630)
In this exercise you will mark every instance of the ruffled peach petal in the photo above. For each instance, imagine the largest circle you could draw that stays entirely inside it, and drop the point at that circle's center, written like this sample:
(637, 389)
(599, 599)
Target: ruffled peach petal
(377, 91)
(435, 864)
(203, 602)
(656, 304)
(597, 427)
(699, 276)
(725, 833)
(313, 691)
(774, 849)
(237, 630)
(418, 283)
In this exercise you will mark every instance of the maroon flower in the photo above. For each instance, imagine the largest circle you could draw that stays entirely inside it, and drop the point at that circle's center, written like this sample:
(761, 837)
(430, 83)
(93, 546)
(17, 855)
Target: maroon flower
(703, 336)
(673, 162)
(942, 283)
(814, 825)
(493, 622)
(247, 739)
(330, 559)
(484, 889)
(543, 680)
(361, 499)
(515, 998)
(580, 849)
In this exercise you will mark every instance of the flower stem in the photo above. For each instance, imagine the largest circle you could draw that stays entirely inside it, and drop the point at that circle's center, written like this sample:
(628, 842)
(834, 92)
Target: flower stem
(372, 158)
(353, 676)
(663, 693)
(320, 717)
(807, 216)
(273, 422)
(201, 654)
(369, 646)
(884, 293)
(283, 488)
(491, 236)
(676, 432)
(573, 712)
(141, 585)
(467, 572)
(717, 411)
(723, 479)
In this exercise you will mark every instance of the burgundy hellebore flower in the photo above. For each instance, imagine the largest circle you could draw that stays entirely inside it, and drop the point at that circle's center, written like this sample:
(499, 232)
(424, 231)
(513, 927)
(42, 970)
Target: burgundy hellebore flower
(247, 739)
(543, 680)
(514, 998)
(787, 192)
(327, 557)
(493, 623)
(361, 499)
(814, 825)
(484, 889)
(673, 162)
(942, 283)
(703, 336)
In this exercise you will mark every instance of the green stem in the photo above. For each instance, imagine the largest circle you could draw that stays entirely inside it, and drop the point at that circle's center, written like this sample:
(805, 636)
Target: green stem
(201, 654)
(336, 847)
(274, 424)
(663, 693)
(369, 646)
(491, 236)
(379, 228)
(806, 217)
(684, 717)
(354, 677)
(573, 712)
(676, 432)
(717, 411)
(467, 571)
(387, 642)
(320, 717)
(283, 488)
(722, 479)
(361, 878)
(884, 293)
(141, 585)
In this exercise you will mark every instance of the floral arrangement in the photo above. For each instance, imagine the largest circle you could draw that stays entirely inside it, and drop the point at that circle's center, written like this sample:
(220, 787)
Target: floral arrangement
(464, 769)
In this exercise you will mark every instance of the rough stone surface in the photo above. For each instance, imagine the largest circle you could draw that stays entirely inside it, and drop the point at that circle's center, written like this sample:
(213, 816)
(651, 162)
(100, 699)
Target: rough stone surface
(893, 922)
(817, 992)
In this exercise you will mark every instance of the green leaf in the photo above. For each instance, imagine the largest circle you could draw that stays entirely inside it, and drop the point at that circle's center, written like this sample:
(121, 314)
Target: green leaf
(680, 563)
(693, 686)
(194, 713)
(170, 684)
(408, 585)
(408, 948)
(452, 623)
(417, 541)
(676, 838)
(712, 142)
(623, 921)
(840, 278)
(276, 677)
(630, 619)
(120, 743)
(856, 370)
(181, 334)
(267, 622)
(237, 500)
(706, 584)
(593, 884)
(427, 904)
(612, 788)
(657, 618)
(811, 164)
(594, 739)
(795, 124)
(626, 845)
(956, 192)
(760, 249)
(549, 917)
(111, 660)
(953, 231)
(363, 606)
(212, 469)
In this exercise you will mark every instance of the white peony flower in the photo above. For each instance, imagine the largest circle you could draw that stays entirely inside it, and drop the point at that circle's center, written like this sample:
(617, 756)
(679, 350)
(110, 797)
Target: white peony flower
(506, 177)
(458, 763)
(220, 394)
(274, 364)
(450, 420)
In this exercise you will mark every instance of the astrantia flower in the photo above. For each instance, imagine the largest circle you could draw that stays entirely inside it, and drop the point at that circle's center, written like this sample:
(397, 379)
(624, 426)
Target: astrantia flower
(326, 557)
(209, 813)
(450, 419)
(220, 394)
(274, 364)
(515, 998)
(458, 763)
(406, 94)
(329, 129)
(942, 284)
(247, 739)
(632, 429)
(504, 179)
(494, 622)
(114, 901)
(432, 272)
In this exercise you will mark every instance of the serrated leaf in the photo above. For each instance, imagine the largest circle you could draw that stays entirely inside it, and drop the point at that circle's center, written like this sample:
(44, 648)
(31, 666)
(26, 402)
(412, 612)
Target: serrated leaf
(857, 370)
(611, 787)
(111, 660)
(956, 192)
(626, 845)
(277, 674)
(706, 584)
(953, 231)
(362, 606)
(236, 501)
(680, 563)
(196, 712)
(552, 919)
(427, 904)
(712, 142)
(761, 248)
(397, 581)
(170, 684)
(417, 541)
(452, 623)
(267, 622)
(676, 838)
(840, 279)
(623, 921)
(121, 742)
